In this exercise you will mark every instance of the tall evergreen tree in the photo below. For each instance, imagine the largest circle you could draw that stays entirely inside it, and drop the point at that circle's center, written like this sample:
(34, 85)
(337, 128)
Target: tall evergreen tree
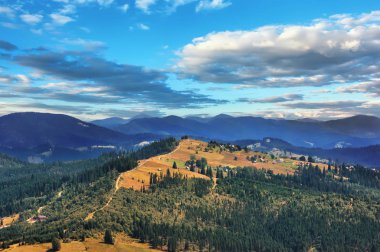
(55, 245)
(108, 239)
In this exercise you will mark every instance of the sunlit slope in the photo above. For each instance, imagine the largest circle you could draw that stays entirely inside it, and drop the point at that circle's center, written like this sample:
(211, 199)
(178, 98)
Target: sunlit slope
(123, 244)
(216, 157)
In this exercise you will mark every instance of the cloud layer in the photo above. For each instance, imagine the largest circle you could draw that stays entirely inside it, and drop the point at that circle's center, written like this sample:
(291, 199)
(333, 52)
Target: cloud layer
(340, 49)
(87, 77)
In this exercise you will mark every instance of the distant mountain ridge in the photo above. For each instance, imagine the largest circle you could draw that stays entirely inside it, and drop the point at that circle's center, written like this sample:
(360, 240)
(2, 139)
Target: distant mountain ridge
(45, 136)
(30, 130)
(367, 156)
(113, 122)
(356, 131)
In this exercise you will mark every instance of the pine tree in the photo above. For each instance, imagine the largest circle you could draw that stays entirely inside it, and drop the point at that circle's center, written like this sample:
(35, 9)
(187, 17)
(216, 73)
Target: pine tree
(108, 239)
(174, 165)
(187, 246)
(203, 170)
(55, 245)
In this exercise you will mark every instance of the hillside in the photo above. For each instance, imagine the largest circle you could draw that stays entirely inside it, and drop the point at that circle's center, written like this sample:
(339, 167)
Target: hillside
(139, 177)
(123, 244)
(208, 201)
(39, 137)
(358, 126)
(31, 130)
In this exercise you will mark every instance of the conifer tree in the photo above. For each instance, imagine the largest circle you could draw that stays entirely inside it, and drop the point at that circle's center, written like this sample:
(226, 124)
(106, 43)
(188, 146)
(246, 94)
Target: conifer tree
(55, 245)
(108, 239)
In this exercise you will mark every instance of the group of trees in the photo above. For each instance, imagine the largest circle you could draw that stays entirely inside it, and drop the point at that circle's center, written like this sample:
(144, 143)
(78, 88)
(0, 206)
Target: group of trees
(195, 163)
(224, 147)
(309, 159)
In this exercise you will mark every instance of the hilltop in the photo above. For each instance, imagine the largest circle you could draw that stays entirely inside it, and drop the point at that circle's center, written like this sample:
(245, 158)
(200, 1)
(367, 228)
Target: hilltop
(216, 155)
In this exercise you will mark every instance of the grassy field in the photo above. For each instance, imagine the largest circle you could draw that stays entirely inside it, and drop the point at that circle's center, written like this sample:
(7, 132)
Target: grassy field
(123, 244)
(7, 221)
(139, 177)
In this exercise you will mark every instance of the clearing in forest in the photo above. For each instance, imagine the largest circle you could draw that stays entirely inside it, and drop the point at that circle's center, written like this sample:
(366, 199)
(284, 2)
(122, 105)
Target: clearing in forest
(139, 177)
(123, 243)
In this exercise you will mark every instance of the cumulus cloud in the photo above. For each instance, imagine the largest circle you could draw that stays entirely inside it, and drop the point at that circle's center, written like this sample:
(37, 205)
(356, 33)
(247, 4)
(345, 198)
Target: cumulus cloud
(142, 26)
(105, 2)
(144, 5)
(212, 4)
(124, 8)
(339, 49)
(60, 19)
(6, 11)
(68, 9)
(31, 19)
(273, 99)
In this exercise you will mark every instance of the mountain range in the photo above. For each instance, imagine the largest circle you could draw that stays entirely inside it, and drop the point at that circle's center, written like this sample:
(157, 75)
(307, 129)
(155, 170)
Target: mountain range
(38, 137)
(356, 131)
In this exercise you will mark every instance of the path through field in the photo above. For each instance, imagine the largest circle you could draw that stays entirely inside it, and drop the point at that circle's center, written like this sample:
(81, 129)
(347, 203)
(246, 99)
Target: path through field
(117, 185)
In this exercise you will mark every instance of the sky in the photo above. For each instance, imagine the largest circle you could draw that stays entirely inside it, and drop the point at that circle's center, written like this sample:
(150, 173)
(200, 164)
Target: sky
(119, 58)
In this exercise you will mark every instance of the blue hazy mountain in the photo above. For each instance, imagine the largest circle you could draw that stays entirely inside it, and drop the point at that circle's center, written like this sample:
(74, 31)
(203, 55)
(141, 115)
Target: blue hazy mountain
(356, 131)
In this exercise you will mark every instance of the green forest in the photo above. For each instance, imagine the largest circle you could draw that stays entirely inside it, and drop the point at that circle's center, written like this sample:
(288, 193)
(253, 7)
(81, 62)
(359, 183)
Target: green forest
(337, 209)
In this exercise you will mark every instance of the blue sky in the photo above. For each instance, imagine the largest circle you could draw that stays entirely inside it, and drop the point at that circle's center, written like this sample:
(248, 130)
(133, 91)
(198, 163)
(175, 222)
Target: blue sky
(101, 58)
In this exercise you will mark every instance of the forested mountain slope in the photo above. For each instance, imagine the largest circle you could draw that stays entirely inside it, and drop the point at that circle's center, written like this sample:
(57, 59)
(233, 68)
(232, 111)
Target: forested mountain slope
(224, 208)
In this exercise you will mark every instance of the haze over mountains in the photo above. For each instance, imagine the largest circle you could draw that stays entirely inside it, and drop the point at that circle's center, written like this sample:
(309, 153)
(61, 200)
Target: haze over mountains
(46, 137)
(356, 131)
(43, 136)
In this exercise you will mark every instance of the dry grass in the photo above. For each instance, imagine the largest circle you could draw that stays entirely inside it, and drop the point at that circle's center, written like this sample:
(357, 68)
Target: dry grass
(7, 221)
(123, 243)
(139, 177)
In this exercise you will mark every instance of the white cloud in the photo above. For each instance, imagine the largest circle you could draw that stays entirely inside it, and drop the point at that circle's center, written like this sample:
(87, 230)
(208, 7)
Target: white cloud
(87, 44)
(60, 19)
(9, 25)
(105, 2)
(143, 27)
(339, 49)
(124, 8)
(68, 9)
(144, 5)
(36, 31)
(6, 11)
(211, 4)
(31, 19)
